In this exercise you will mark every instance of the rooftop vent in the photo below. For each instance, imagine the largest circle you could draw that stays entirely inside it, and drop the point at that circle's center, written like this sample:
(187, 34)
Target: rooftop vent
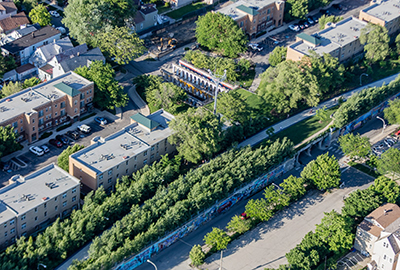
(50, 185)
(45, 199)
(3, 109)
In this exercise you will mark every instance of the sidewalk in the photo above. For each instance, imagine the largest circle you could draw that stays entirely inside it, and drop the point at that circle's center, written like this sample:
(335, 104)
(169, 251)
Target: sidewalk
(262, 135)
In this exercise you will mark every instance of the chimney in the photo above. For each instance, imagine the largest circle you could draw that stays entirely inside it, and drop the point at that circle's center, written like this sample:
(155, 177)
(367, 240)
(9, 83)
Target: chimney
(385, 212)
(33, 34)
(54, 40)
(77, 54)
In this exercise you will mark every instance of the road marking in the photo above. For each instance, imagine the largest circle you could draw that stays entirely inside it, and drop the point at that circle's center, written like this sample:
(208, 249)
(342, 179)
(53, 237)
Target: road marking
(345, 169)
(186, 243)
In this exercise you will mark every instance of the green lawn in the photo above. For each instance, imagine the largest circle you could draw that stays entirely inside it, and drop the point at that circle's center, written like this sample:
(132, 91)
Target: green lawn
(163, 8)
(247, 80)
(178, 13)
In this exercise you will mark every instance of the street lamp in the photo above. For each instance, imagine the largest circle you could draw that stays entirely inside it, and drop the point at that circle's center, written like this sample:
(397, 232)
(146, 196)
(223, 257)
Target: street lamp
(150, 262)
(40, 264)
(217, 79)
(364, 74)
(384, 123)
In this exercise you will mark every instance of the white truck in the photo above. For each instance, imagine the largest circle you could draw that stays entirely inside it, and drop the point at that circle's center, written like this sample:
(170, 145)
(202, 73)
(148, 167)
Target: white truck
(84, 128)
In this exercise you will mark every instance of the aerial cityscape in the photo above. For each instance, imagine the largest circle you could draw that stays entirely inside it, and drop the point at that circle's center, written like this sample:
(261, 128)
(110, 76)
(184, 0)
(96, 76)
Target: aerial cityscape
(200, 134)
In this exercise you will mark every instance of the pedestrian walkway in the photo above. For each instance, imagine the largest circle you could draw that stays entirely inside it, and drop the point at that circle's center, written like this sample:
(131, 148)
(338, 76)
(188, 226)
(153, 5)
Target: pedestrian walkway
(262, 135)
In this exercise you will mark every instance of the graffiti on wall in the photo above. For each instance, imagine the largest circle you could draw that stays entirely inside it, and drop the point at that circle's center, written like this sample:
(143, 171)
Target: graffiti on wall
(207, 215)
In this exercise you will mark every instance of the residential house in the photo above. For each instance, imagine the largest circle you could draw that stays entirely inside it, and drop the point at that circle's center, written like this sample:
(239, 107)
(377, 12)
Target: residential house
(14, 22)
(124, 152)
(21, 73)
(44, 54)
(33, 202)
(385, 13)
(22, 31)
(22, 48)
(34, 110)
(255, 16)
(341, 40)
(146, 17)
(7, 8)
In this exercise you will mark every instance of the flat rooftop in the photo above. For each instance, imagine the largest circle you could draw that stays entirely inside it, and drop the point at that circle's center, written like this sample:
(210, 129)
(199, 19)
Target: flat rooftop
(29, 99)
(386, 11)
(108, 152)
(26, 193)
(333, 37)
(251, 6)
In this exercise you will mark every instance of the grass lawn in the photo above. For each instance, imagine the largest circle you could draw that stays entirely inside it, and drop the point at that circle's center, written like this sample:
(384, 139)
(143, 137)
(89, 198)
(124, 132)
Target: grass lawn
(247, 80)
(303, 129)
(364, 169)
(163, 8)
(178, 13)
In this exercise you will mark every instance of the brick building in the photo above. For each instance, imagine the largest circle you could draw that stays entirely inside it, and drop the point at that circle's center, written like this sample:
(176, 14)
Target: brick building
(35, 110)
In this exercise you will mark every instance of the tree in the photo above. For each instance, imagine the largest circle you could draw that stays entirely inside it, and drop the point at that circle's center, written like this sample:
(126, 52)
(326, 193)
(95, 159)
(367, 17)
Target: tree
(220, 33)
(360, 203)
(377, 40)
(335, 230)
(108, 93)
(277, 56)
(387, 188)
(11, 88)
(196, 133)
(322, 114)
(167, 96)
(355, 146)
(197, 255)
(31, 82)
(244, 65)
(7, 63)
(217, 239)
(397, 42)
(389, 162)
(7, 141)
(40, 15)
(120, 44)
(259, 209)
(239, 225)
(63, 158)
(392, 112)
(26, 5)
(233, 106)
(323, 172)
(298, 8)
(294, 187)
(276, 198)
(324, 19)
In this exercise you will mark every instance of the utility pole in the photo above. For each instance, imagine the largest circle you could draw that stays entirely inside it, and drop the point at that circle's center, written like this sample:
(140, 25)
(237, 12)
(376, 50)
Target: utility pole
(217, 79)
(220, 262)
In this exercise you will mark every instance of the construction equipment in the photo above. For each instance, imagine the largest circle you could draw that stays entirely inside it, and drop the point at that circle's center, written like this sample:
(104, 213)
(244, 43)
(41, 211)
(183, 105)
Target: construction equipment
(161, 45)
(172, 43)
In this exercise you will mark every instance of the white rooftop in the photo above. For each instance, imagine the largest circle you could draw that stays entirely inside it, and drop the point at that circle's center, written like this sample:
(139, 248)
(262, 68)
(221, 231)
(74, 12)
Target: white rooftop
(232, 11)
(26, 193)
(386, 11)
(336, 36)
(27, 100)
(108, 152)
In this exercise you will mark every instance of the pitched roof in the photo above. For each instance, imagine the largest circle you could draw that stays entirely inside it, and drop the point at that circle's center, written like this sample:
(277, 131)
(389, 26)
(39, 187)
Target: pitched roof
(24, 68)
(370, 228)
(393, 244)
(81, 60)
(313, 40)
(47, 68)
(27, 30)
(67, 89)
(14, 21)
(80, 49)
(9, 6)
(144, 121)
(29, 40)
(385, 214)
(248, 10)
(138, 18)
(54, 48)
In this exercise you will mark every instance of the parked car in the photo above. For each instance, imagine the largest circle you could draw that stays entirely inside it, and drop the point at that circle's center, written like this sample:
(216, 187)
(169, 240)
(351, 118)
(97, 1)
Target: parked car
(310, 20)
(5, 166)
(244, 215)
(256, 47)
(45, 148)
(54, 13)
(62, 139)
(56, 143)
(305, 23)
(101, 120)
(301, 26)
(62, 29)
(339, 7)
(84, 128)
(294, 27)
(315, 18)
(36, 150)
(324, 12)
(73, 134)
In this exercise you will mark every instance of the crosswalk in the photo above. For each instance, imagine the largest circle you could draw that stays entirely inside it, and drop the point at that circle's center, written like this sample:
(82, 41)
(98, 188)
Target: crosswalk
(335, 148)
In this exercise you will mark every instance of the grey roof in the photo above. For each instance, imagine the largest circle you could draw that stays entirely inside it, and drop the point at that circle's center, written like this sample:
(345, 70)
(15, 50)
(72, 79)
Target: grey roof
(80, 49)
(27, 30)
(26, 193)
(386, 11)
(29, 40)
(57, 47)
(82, 60)
(393, 244)
(241, 8)
(10, 74)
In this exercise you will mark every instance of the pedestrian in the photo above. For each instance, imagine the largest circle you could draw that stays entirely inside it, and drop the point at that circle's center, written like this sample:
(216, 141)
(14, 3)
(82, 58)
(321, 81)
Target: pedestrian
(280, 128)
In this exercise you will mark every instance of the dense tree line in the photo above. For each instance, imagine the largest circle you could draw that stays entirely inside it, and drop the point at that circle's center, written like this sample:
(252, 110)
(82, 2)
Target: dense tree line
(7, 141)
(298, 9)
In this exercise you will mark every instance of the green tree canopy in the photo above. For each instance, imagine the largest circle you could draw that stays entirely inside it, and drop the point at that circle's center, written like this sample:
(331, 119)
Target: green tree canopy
(196, 133)
(259, 209)
(26, 5)
(355, 146)
(40, 15)
(322, 114)
(7, 141)
(276, 198)
(31, 82)
(220, 33)
(108, 93)
(324, 19)
(294, 187)
(397, 42)
(233, 106)
(387, 188)
(63, 158)
(392, 112)
(360, 203)
(11, 88)
(197, 255)
(277, 56)
(376, 40)
(389, 162)
(239, 225)
(217, 239)
(323, 172)
(7, 63)
(167, 96)
(297, 9)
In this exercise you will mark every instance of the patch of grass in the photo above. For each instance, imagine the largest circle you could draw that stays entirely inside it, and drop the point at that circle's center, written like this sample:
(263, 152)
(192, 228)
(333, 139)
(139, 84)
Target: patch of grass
(247, 80)
(364, 169)
(88, 116)
(178, 13)
(63, 127)
(163, 8)
(45, 135)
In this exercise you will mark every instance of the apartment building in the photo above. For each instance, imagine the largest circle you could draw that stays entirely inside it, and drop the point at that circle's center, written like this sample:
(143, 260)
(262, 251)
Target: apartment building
(31, 203)
(254, 16)
(122, 153)
(34, 110)
(384, 13)
(341, 40)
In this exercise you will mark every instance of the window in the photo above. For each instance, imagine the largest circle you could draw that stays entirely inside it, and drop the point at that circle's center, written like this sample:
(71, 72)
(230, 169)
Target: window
(101, 184)
(117, 167)
(12, 222)
(35, 218)
(82, 104)
(23, 226)
(145, 161)
(55, 199)
(23, 217)
(76, 102)
(126, 171)
(62, 112)
(33, 128)
(109, 180)
(152, 148)
(55, 114)
(56, 208)
(47, 109)
(33, 120)
(45, 205)
(110, 172)
(145, 153)
(384, 257)
(117, 175)
(135, 158)
(45, 214)
(390, 260)
(241, 24)
(64, 203)
(55, 105)
(83, 95)
(36, 210)
(100, 177)
(5, 225)
(5, 234)
(152, 156)
(127, 162)
(15, 124)
(41, 121)
(76, 110)
(41, 113)
(141, 26)
(64, 195)
(73, 190)
(74, 198)
(268, 11)
(20, 121)
(134, 167)
(12, 231)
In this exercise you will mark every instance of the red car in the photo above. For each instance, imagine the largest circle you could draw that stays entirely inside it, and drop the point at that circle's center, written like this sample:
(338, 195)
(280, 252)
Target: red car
(56, 143)
(244, 215)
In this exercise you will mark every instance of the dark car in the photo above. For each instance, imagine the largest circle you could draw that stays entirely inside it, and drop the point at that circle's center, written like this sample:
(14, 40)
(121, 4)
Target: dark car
(310, 20)
(337, 6)
(305, 23)
(5, 166)
(62, 139)
(56, 143)
(324, 12)
(315, 18)
(73, 134)
(301, 25)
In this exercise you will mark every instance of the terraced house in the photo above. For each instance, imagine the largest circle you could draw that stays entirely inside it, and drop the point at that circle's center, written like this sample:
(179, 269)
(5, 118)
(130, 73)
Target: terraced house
(34, 110)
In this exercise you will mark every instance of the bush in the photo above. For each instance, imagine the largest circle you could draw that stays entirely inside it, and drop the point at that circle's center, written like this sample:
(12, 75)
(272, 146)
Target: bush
(63, 158)
(45, 135)
(217, 238)
(197, 255)
(63, 127)
(87, 116)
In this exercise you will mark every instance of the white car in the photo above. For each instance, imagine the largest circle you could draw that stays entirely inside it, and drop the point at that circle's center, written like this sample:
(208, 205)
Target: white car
(255, 47)
(54, 13)
(295, 28)
(36, 150)
(45, 148)
(84, 128)
(61, 29)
